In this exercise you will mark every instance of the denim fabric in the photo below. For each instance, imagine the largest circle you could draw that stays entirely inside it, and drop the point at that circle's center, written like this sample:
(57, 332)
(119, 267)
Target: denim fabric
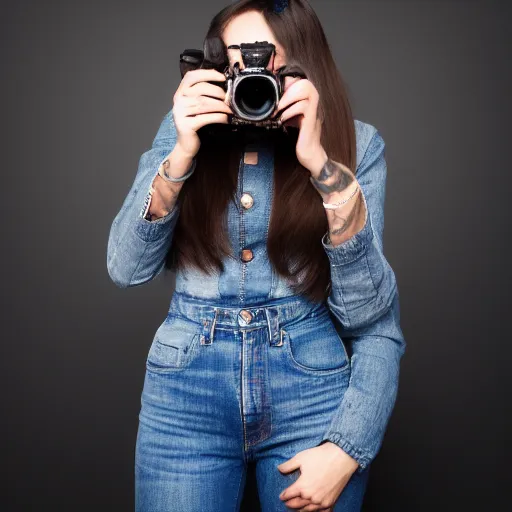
(224, 388)
(363, 303)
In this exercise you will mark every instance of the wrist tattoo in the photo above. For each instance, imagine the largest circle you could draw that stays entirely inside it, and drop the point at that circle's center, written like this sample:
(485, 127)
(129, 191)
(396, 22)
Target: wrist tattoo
(337, 175)
(342, 223)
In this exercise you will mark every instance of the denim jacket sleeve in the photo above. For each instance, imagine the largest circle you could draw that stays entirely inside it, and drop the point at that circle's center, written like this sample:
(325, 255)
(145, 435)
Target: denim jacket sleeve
(364, 298)
(137, 246)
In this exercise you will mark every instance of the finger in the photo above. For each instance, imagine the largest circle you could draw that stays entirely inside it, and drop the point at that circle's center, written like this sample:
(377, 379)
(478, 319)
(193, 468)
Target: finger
(205, 89)
(293, 491)
(297, 503)
(205, 105)
(291, 464)
(200, 75)
(296, 109)
(289, 80)
(297, 91)
(312, 507)
(204, 119)
(310, 122)
(281, 107)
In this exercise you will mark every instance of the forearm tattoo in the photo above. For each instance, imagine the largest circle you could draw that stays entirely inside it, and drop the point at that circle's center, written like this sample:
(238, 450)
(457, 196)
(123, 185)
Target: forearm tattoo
(341, 224)
(336, 177)
(333, 177)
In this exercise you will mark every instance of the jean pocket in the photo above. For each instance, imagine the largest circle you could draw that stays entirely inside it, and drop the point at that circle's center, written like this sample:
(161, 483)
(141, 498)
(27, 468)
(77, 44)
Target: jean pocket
(174, 345)
(315, 347)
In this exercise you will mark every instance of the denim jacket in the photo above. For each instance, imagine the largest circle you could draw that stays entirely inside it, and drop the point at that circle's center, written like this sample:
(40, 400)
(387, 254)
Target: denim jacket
(364, 295)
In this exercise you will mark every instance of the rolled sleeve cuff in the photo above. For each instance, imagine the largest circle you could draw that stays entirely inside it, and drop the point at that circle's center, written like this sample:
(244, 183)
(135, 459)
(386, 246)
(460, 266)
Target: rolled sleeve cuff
(147, 229)
(362, 458)
(150, 230)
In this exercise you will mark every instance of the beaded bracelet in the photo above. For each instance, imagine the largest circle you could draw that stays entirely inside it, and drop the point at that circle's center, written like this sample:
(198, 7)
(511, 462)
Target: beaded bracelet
(333, 206)
(166, 177)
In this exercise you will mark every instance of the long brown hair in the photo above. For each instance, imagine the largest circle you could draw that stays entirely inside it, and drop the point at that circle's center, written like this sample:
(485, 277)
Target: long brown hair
(297, 216)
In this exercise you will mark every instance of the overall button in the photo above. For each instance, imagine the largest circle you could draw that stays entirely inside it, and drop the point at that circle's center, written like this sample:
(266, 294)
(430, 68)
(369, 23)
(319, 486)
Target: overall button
(247, 255)
(246, 316)
(247, 200)
(251, 157)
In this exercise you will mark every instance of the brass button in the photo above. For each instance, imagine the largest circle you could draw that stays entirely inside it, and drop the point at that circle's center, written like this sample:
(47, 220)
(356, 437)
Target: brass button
(247, 255)
(246, 315)
(247, 200)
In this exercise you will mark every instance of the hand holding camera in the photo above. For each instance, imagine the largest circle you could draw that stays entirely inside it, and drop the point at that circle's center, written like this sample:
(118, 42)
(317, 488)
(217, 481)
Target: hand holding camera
(252, 89)
(198, 102)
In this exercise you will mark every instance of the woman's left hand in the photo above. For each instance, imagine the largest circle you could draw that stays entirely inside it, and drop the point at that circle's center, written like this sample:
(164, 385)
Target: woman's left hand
(324, 473)
(299, 104)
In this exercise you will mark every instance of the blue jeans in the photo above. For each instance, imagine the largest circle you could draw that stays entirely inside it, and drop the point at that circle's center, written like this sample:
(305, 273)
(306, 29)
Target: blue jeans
(225, 386)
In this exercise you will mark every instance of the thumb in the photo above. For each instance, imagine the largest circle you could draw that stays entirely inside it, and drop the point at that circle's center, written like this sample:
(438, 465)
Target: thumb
(289, 465)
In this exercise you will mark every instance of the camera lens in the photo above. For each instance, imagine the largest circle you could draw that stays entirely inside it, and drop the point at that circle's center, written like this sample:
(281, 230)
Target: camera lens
(255, 96)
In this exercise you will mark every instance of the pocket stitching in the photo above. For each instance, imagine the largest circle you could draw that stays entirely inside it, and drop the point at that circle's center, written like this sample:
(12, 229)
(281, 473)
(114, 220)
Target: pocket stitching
(315, 371)
(161, 368)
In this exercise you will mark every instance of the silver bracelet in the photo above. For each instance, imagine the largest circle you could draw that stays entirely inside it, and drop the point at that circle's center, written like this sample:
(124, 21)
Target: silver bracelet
(333, 206)
(166, 177)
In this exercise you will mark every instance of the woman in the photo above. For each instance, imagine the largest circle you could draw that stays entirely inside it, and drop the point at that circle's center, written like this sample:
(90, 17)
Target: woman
(282, 342)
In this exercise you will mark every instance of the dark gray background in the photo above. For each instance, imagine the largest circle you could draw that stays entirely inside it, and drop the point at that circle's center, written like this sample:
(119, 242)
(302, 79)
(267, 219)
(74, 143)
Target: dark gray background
(85, 85)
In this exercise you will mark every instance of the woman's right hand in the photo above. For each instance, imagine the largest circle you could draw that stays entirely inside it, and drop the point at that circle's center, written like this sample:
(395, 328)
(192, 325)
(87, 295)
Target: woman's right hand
(196, 104)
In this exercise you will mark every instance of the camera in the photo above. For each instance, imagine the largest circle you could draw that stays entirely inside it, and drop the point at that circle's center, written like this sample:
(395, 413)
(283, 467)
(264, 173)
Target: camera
(252, 91)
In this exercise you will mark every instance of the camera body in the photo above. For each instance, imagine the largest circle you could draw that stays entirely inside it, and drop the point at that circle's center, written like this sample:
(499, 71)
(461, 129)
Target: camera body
(253, 91)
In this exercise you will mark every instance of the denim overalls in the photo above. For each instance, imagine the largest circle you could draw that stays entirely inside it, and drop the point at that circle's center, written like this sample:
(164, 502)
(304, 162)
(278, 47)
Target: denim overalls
(241, 370)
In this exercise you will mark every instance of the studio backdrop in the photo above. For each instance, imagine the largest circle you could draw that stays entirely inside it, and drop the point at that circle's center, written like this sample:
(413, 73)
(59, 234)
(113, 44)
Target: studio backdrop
(85, 87)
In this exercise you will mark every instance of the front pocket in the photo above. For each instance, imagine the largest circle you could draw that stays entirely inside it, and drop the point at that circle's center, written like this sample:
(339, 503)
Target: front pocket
(314, 346)
(174, 345)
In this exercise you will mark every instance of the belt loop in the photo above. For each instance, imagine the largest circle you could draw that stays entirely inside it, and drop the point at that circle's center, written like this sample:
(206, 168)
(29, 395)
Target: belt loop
(213, 324)
(207, 334)
(272, 313)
